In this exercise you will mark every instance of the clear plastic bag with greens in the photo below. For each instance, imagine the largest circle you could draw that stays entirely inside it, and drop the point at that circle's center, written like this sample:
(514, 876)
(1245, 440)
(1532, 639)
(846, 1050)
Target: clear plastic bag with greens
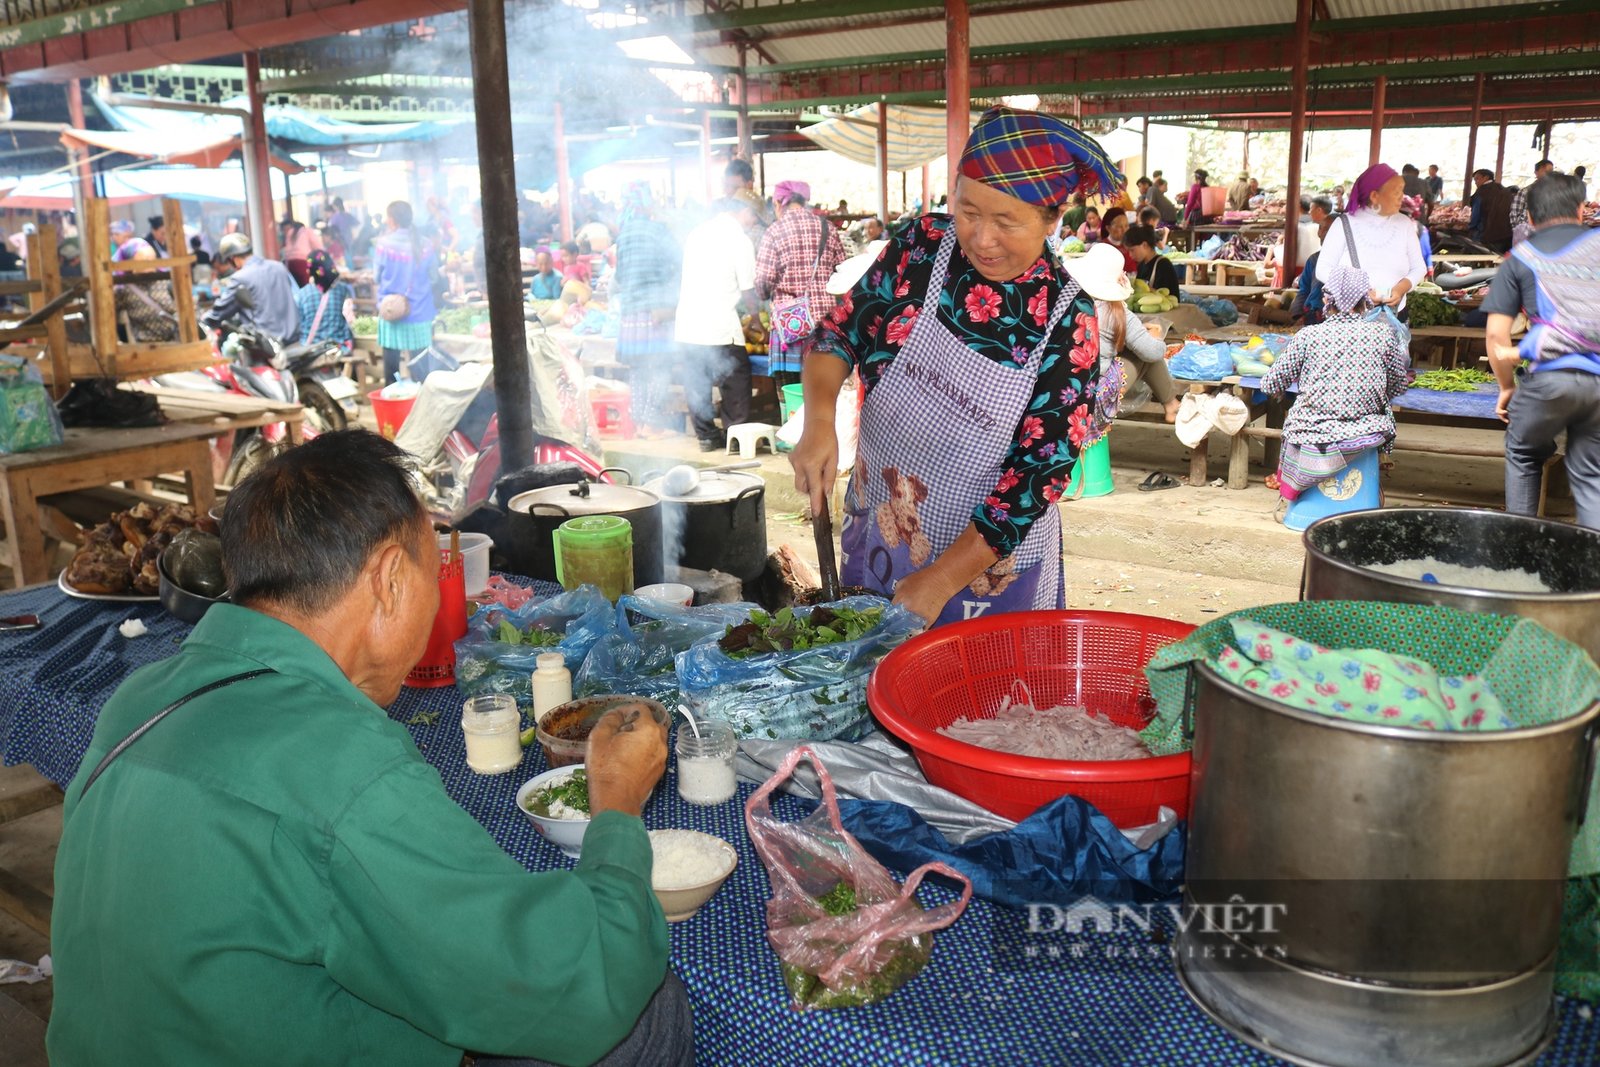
(793, 677)
(28, 419)
(639, 656)
(845, 932)
(502, 645)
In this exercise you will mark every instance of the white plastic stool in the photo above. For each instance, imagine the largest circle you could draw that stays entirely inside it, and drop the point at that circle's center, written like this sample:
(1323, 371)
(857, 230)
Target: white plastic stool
(749, 435)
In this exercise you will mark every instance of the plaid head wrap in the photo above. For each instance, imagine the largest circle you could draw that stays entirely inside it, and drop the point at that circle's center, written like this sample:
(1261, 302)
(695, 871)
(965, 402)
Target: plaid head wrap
(1347, 288)
(1039, 159)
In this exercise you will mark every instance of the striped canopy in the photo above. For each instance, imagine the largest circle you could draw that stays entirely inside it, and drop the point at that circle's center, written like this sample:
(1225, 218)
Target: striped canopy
(916, 135)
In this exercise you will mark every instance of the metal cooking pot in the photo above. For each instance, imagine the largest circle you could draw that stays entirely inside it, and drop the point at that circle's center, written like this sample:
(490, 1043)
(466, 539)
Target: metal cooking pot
(532, 518)
(1341, 548)
(720, 525)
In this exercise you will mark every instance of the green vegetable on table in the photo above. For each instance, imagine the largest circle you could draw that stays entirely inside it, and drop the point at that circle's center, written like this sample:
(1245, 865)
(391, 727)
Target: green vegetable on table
(538, 637)
(365, 326)
(573, 791)
(461, 320)
(840, 900)
(787, 631)
(904, 961)
(1429, 310)
(1460, 380)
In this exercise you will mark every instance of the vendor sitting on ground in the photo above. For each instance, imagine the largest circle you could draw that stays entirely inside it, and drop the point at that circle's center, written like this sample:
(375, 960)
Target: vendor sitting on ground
(1346, 369)
(272, 874)
(144, 301)
(1089, 229)
(1133, 362)
(546, 284)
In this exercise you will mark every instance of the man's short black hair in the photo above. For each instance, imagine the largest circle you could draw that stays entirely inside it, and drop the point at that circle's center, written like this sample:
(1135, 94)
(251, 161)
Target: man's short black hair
(1148, 214)
(157, 221)
(1139, 235)
(1305, 203)
(1555, 196)
(1144, 181)
(1324, 203)
(298, 531)
(1488, 175)
(741, 169)
(1542, 164)
(1409, 168)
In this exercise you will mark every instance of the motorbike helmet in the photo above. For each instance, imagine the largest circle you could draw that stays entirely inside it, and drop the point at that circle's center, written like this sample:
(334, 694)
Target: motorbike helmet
(233, 245)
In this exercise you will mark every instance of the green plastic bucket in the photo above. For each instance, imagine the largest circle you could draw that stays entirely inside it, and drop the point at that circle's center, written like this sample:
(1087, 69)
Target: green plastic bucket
(1092, 471)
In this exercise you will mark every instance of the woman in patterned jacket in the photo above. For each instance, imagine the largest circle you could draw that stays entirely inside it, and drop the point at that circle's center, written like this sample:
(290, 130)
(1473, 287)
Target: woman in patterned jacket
(978, 358)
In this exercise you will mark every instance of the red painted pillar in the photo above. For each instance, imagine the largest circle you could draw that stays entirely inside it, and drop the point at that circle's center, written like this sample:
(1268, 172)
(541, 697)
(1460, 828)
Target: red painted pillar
(883, 161)
(1500, 153)
(957, 84)
(1297, 132)
(1380, 94)
(563, 175)
(265, 227)
(1472, 136)
(742, 84)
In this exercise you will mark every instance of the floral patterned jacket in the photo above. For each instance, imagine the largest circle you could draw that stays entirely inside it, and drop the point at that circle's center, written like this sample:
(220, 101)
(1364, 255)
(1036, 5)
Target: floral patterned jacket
(1002, 321)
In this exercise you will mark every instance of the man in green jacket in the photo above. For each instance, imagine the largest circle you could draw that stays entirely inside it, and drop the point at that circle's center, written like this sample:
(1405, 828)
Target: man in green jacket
(273, 875)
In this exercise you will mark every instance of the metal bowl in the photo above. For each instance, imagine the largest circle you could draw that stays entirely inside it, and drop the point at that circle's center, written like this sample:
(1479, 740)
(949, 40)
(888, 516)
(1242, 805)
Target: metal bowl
(179, 602)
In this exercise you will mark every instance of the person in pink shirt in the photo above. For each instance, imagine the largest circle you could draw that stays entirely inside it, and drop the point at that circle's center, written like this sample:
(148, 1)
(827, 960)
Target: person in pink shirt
(297, 241)
(1089, 232)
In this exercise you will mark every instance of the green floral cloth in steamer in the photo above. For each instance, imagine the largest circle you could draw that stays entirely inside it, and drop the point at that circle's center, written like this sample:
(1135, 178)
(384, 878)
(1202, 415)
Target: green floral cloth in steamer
(1538, 677)
(1364, 685)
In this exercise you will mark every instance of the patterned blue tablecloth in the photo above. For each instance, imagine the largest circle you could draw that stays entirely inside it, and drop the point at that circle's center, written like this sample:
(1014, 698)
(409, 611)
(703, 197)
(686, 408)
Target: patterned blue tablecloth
(1477, 404)
(980, 1001)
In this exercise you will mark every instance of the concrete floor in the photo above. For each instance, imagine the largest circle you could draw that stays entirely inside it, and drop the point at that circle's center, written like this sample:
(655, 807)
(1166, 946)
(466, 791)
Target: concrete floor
(1186, 553)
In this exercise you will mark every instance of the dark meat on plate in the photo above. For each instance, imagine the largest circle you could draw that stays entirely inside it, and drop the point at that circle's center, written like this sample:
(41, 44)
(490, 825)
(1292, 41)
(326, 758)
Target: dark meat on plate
(100, 567)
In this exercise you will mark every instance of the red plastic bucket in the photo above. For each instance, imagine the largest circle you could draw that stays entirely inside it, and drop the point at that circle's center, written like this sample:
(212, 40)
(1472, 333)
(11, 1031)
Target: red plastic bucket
(391, 414)
(1088, 658)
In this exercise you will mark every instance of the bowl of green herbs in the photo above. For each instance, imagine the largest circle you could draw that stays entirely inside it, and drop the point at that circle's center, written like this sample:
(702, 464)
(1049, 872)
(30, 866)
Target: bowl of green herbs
(557, 803)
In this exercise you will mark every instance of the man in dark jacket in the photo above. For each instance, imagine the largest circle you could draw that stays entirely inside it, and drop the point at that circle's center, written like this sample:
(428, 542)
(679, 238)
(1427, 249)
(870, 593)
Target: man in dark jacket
(1491, 211)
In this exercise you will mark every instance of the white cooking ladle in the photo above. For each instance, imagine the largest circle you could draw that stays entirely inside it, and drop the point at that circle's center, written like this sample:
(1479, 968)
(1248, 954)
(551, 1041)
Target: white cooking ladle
(684, 479)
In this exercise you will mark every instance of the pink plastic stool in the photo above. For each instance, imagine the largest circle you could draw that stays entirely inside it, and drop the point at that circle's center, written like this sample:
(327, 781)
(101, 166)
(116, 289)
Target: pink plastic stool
(612, 413)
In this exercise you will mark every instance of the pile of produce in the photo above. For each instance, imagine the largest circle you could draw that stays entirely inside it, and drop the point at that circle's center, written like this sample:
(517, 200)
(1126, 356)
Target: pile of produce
(1429, 310)
(1059, 733)
(365, 326)
(534, 636)
(1147, 301)
(119, 556)
(896, 964)
(787, 632)
(1072, 245)
(1460, 380)
(461, 320)
(1451, 216)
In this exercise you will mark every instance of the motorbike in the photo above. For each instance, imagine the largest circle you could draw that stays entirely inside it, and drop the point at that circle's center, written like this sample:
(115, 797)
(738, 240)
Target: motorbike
(316, 370)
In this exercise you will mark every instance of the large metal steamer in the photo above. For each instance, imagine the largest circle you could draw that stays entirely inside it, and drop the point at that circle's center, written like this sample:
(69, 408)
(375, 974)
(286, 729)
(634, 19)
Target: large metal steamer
(1390, 896)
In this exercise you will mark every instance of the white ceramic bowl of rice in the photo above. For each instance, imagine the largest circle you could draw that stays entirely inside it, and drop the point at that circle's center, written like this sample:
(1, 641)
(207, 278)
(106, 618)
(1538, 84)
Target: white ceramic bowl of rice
(688, 870)
(563, 828)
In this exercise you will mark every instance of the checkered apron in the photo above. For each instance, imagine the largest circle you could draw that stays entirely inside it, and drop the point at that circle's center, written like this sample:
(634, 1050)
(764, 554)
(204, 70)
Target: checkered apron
(946, 417)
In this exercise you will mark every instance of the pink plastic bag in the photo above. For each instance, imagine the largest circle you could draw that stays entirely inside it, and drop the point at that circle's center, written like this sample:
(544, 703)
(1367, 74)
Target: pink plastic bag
(845, 932)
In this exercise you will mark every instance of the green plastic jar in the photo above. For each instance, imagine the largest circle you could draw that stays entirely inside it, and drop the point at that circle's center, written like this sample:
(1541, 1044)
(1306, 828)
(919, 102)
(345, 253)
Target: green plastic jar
(595, 550)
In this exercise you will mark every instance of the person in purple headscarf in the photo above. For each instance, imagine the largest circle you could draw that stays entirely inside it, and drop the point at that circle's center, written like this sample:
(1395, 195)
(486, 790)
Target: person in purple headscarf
(1375, 237)
(1345, 369)
(796, 258)
(146, 311)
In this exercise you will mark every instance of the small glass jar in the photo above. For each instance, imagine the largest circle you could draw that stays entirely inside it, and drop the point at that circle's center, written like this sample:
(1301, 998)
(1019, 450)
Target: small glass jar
(705, 763)
(493, 730)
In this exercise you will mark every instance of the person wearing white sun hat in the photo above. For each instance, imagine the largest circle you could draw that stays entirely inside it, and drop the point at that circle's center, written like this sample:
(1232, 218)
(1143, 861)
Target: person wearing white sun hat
(1132, 359)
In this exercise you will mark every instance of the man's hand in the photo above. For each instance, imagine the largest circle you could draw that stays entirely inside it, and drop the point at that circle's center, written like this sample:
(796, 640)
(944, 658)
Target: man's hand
(624, 765)
(816, 463)
(1502, 407)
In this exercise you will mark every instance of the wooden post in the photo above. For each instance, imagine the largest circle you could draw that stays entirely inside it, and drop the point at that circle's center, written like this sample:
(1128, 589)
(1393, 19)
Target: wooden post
(564, 203)
(491, 94)
(1297, 132)
(1472, 136)
(266, 237)
(182, 273)
(883, 161)
(1500, 153)
(742, 84)
(84, 187)
(96, 238)
(927, 189)
(1380, 93)
(1144, 146)
(957, 85)
(44, 266)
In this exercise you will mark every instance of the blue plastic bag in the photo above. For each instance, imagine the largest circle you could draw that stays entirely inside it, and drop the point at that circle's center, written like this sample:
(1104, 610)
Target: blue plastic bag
(640, 656)
(817, 694)
(1385, 313)
(487, 663)
(1202, 363)
(1210, 247)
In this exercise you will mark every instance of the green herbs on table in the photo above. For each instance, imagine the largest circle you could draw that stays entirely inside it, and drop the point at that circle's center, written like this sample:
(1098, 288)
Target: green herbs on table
(365, 326)
(896, 963)
(840, 900)
(571, 792)
(536, 636)
(786, 631)
(1429, 310)
(1460, 380)
(461, 320)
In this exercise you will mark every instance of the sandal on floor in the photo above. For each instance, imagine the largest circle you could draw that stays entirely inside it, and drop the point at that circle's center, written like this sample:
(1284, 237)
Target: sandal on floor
(1158, 480)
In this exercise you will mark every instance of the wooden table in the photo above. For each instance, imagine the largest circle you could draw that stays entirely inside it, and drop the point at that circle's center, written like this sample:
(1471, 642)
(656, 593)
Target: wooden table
(1469, 257)
(93, 457)
(1229, 291)
(1203, 271)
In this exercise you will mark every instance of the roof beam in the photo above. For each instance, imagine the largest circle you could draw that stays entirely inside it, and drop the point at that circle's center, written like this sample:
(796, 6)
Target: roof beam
(763, 16)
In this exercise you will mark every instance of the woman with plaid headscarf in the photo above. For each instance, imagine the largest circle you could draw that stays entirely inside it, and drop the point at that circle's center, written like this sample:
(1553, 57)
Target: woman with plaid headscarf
(978, 358)
(1345, 371)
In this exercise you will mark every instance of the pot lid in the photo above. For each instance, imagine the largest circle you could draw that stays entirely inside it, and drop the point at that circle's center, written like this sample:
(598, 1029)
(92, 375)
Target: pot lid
(715, 487)
(584, 498)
